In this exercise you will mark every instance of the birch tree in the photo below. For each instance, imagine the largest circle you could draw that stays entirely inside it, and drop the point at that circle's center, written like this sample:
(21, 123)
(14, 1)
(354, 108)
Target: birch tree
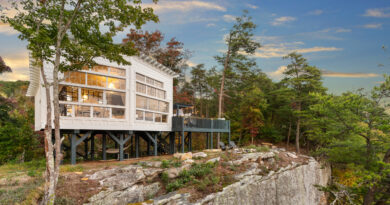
(69, 34)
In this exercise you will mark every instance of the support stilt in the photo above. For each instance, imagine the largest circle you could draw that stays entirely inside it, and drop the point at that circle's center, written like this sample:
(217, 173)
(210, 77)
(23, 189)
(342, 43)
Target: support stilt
(137, 146)
(74, 142)
(182, 141)
(92, 147)
(172, 142)
(104, 149)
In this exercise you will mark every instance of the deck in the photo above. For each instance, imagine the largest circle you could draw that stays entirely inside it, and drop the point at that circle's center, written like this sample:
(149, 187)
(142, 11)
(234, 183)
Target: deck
(195, 124)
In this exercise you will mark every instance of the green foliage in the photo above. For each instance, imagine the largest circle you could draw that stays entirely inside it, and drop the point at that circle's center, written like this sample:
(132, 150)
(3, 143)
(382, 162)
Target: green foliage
(170, 163)
(164, 177)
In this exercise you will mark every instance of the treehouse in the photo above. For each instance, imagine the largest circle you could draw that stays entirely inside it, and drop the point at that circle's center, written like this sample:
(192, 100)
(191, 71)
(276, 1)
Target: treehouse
(124, 103)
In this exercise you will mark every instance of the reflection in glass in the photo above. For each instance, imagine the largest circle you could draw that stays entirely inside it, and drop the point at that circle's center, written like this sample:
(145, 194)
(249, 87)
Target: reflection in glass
(117, 71)
(66, 110)
(163, 106)
(118, 113)
(115, 98)
(149, 81)
(140, 77)
(74, 77)
(157, 117)
(148, 116)
(164, 118)
(91, 96)
(115, 83)
(151, 91)
(101, 112)
(96, 80)
(141, 102)
(141, 88)
(139, 115)
(100, 69)
(153, 104)
(83, 111)
(161, 94)
(158, 84)
(68, 93)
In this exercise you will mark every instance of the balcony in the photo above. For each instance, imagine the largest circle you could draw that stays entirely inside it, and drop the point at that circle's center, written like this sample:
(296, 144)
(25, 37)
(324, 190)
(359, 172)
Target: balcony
(196, 124)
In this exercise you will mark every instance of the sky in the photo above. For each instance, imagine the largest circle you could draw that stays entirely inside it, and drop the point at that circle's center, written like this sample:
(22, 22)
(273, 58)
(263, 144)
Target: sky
(342, 38)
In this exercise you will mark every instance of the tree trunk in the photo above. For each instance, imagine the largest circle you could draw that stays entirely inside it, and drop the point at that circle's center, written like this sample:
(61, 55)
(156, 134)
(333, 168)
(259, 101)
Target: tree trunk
(221, 92)
(289, 134)
(298, 129)
(369, 196)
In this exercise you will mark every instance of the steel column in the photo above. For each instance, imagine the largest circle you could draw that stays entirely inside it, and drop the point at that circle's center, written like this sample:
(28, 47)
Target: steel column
(182, 141)
(104, 145)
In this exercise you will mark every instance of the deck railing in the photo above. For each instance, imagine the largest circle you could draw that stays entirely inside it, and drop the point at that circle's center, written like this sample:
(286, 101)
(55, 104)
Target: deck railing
(196, 124)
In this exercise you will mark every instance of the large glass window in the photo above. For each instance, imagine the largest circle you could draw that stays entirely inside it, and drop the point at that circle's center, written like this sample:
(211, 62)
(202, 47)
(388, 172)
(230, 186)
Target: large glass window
(116, 83)
(100, 69)
(117, 71)
(158, 84)
(118, 113)
(140, 77)
(91, 96)
(164, 118)
(141, 88)
(153, 104)
(139, 115)
(152, 91)
(68, 93)
(161, 94)
(83, 111)
(141, 102)
(149, 81)
(74, 77)
(115, 98)
(157, 117)
(163, 106)
(66, 110)
(148, 116)
(101, 112)
(96, 80)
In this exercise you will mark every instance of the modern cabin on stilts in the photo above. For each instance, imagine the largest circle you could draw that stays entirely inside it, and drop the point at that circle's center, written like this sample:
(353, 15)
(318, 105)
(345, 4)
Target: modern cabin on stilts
(124, 103)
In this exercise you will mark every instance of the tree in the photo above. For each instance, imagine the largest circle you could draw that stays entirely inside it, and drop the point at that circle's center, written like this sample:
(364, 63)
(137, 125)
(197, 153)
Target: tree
(239, 42)
(3, 67)
(69, 34)
(199, 83)
(302, 79)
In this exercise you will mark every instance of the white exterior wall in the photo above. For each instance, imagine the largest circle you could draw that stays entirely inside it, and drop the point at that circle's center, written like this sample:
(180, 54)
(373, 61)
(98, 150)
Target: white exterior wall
(129, 123)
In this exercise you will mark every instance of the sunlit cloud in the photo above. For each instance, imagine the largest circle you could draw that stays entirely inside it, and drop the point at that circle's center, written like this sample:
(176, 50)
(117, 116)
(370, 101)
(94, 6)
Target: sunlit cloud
(333, 74)
(184, 6)
(19, 64)
(282, 20)
(6, 29)
(378, 12)
(316, 12)
(278, 74)
(191, 64)
(373, 26)
(229, 18)
(252, 6)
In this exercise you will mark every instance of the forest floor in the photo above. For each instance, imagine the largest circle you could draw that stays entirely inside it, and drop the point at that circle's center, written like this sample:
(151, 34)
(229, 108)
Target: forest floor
(23, 183)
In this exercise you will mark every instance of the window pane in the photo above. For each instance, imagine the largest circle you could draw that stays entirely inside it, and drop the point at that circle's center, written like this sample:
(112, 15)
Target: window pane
(100, 69)
(148, 116)
(158, 84)
(141, 88)
(66, 110)
(157, 117)
(101, 112)
(91, 96)
(163, 106)
(74, 77)
(149, 81)
(161, 94)
(68, 93)
(152, 91)
(96, 80)
(115, 83)
(116, 98)
(118, 113)
(164, 118)
(140, 77)
(83, 111)
(139, 115)
(141, 102)
(117, 71)
(153, 104)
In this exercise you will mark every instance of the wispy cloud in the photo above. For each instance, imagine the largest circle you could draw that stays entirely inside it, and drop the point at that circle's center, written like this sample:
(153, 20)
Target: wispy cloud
(327, 73)
(229, 18)
(210, 25)
(19, 64)
(278, 74)
(342, 30)
(373, 26)
(252, 6)
(316, 12)
(326, 34)
(378, 12)
(191, 64)
(282, 20)
(184, 6)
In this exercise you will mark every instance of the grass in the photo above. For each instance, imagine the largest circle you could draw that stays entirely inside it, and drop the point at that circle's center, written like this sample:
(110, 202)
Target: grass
(170, 163)
(258, 148)
(72, 168)
(26, 194)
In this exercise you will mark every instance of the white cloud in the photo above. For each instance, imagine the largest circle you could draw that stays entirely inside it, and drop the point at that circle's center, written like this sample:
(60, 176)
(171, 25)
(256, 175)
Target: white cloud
(373, 26)
(316, 12)
(184, 6)
(229, 18)
(252, 6)
(19, 64)
(327, 73)
(278, 74)
(327, 34)
(342, 30)
(210, 25)
(282, 20)
(191, 64)
(378, 12)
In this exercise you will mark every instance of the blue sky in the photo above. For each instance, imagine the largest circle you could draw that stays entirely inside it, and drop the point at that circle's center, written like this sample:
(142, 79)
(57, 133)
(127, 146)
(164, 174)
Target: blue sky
(343, 38)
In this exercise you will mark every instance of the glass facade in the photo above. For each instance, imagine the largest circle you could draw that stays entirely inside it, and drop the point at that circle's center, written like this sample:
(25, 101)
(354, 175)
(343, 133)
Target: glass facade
(109, 103)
